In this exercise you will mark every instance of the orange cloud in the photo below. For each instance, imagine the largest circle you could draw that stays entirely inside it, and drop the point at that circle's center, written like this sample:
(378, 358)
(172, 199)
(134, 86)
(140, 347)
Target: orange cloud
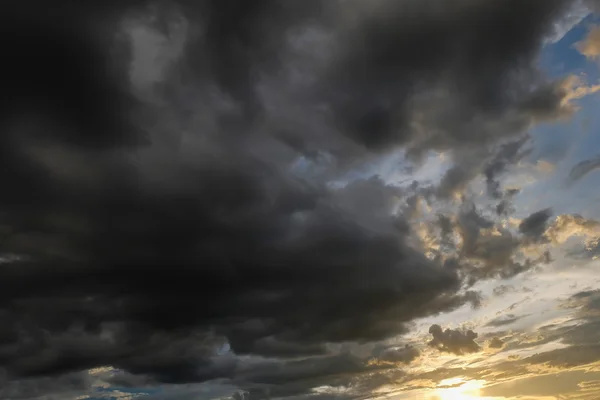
(590, 46)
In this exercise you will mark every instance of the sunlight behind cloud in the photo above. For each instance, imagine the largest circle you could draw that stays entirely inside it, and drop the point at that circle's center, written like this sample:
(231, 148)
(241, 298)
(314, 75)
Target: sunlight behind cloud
(459, 389)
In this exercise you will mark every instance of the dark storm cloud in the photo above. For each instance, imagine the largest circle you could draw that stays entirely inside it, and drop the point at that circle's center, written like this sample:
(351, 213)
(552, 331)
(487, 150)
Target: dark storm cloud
(155, 233)
(486, 249)
(457, 178)
(491, 164)
(123, 257)
(69, 386)
(534, 225)
(412, 57)
(453, 341)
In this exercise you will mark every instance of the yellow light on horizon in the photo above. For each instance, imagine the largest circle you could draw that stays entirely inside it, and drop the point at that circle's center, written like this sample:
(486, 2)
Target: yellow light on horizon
(461, 389)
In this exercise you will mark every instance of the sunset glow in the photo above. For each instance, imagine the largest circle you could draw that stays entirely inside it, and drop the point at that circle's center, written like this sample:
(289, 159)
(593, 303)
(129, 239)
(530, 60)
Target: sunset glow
(459, 389)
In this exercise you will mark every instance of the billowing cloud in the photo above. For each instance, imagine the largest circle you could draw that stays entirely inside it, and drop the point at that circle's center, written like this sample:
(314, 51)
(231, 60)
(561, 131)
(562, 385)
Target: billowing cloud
(577, 12)
(508, 154)
(534, 225)
(191, 221)
(567, 227)
(496, 343)
(480, 246)
(389, 119)
(453, 341)
(402, 355)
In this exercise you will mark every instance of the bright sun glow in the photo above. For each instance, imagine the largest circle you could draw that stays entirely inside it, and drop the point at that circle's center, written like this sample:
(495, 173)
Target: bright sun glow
(459, 389)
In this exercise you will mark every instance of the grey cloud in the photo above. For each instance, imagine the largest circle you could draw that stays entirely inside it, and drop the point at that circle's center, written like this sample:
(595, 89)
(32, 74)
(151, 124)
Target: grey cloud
(167, 228)
(489, 163)
(505, 207)
(577, 12)
(296, 378)
(489, 250)
(534, 225)
(504, 320)
(395, 355)
(252, 379)
(108, 383)
(592, 5)
(454, 180)
(496, 343)
(582, 169)
(453, 341)
(387, 52)
(478, 246)
(568, 357)
(68, 387)
(583, 333)
(323, 369)
(587, 304)
(494, 251)
(589, 250)
(507, 154)
(503, 289)
(568, 226)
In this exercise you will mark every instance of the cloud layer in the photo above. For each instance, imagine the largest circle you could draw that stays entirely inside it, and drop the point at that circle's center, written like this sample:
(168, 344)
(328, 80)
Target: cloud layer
(191, 219)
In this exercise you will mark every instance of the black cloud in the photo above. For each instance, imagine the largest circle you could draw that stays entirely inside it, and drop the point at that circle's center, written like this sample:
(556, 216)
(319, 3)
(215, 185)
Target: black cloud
(534, 225)
(453, 341)
(398, 53)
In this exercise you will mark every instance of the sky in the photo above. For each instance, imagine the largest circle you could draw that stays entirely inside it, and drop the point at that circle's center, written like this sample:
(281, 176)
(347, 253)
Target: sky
(300, 200)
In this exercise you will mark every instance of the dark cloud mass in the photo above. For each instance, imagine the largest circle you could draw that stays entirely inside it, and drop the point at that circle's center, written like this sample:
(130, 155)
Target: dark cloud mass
(534, 225)
(393, 355)
(496, 343)
(453, 341)
(508, 154)
(175, 218)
